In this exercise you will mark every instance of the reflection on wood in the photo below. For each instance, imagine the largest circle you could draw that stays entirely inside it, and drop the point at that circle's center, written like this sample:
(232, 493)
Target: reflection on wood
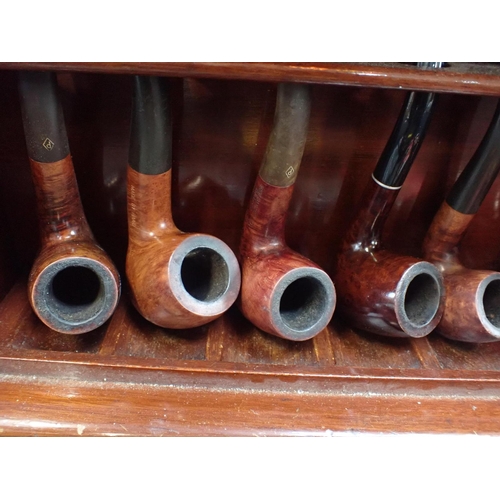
(131, 377)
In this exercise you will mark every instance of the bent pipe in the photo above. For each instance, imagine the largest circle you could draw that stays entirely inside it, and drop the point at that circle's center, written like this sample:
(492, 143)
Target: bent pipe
(282, 292)
(73, 286)
(472, 303)
(177, 280)
(381, 292)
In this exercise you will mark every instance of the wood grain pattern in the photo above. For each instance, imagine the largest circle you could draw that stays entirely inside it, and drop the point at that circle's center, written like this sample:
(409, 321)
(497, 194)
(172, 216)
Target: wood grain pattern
(155, 257)
(266, 261)
(191, 400)
(471, 297)
(66, 239)
(368, 277)
(229, 377)
(74, 393)
(60, 211)
(465, 78)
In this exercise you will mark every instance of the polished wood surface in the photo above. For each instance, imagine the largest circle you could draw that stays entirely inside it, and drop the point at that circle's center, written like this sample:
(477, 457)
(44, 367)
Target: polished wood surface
(465, 78)
(154, 242)
(444, 235)
(60, 212)
(65, 236)
(266, 259)
(137, 379)
(282, 292)
(229, 374)
(368, 276)
(467, 316)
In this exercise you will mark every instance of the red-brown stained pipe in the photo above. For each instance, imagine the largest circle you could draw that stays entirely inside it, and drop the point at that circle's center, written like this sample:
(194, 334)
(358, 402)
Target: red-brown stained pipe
(379, 291)
(282, 292)
(177, 280)
(472, 306)
(73, 285)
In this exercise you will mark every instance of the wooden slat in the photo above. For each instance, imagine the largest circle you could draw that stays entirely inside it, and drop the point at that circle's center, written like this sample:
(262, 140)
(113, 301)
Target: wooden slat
(115, 335)
(216, 339)
(464, 355)
(363, 349)
(13, 309)
(323, 347)
(245, 343)
(462, 78)
(139, 338)
(425, 353)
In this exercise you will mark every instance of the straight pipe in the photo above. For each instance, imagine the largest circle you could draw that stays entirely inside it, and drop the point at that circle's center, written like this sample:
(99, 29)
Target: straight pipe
(73, 286)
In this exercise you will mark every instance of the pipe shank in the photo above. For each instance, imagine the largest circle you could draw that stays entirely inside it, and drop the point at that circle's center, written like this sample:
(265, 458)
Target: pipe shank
(285, 148)
(73, 286)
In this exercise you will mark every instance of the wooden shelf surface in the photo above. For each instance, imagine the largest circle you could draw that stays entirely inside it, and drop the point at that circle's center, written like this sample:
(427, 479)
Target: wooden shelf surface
(464, 78)
(228, 378)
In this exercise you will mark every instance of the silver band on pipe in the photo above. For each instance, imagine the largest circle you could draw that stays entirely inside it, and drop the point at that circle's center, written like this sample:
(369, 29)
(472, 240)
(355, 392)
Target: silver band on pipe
(385, 186)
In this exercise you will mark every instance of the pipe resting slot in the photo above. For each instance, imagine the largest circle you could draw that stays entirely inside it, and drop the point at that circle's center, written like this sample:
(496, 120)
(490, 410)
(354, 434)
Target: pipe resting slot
(422, 300)
(303, 303)
(205, 274)
(491, 303)
(76, 293)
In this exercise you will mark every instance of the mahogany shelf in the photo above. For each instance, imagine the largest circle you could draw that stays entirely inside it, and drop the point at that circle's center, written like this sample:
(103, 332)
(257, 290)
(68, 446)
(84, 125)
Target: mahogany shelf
(131, 378)
(228, 378)
(466, 78)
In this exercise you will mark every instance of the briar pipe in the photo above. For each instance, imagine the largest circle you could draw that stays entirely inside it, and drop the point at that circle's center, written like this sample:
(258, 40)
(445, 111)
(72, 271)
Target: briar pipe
(472, 303)
(381, 292)
(177, 280)
(73, 286)
(282, 292)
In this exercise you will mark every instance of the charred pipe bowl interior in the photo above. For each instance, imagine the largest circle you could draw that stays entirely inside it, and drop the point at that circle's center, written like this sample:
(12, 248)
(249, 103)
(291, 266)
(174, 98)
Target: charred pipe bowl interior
(203, 266)
(287, 295)
(73, 286)
(74, 294)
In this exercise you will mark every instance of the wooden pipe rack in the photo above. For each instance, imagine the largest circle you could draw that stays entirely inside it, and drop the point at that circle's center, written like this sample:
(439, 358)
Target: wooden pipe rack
(130, 377)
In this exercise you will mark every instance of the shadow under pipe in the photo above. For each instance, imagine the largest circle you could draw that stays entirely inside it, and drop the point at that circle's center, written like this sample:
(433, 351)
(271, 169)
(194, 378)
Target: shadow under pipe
(73, 286)
(472, 303)
(282, 292)
(177, 280)
(379, 291)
